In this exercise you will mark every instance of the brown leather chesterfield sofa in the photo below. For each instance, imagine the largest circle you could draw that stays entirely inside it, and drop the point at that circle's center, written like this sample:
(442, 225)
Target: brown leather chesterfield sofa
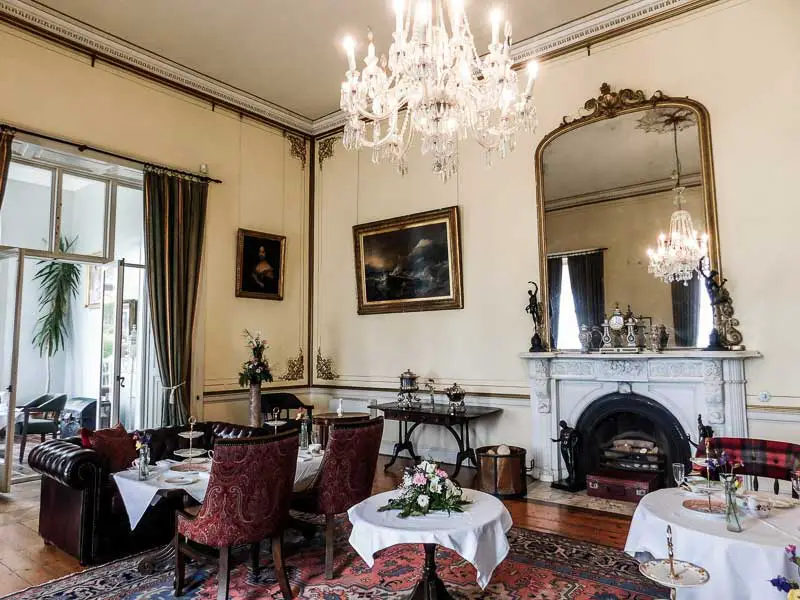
(81, 510)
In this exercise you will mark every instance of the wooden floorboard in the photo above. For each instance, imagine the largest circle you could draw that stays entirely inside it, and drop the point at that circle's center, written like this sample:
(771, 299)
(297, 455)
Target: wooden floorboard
(26, 561)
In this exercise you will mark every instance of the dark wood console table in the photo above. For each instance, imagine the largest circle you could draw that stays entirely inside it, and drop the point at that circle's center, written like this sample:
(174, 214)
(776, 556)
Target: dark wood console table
(437, 414)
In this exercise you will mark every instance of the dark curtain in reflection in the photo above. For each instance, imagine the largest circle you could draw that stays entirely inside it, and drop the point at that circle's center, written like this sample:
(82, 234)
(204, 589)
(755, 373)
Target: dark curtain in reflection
(588, 290)
(686, 312)
(554, 296)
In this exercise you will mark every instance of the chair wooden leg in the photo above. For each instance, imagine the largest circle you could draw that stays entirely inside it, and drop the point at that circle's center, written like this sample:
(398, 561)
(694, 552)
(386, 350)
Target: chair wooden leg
(280, 568)
(330, 532)
(224, 579)
(22, 446)
(180, 565)
(41, 437)
(255, 558)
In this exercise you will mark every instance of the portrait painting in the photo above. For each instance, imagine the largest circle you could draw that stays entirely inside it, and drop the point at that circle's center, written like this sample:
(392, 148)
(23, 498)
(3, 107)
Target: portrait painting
(94, 286)
(260, 265)
(410, 263)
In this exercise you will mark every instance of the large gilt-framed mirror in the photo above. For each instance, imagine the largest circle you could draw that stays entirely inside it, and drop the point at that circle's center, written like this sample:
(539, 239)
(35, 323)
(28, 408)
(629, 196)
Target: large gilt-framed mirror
(608, 183)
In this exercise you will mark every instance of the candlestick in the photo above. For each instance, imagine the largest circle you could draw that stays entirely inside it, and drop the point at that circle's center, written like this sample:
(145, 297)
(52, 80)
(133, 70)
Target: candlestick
(496, 16)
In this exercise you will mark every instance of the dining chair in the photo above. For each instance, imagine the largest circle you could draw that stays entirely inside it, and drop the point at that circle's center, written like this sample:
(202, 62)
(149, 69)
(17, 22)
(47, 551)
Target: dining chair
(47, 409)
(247, 500)
(345, 476)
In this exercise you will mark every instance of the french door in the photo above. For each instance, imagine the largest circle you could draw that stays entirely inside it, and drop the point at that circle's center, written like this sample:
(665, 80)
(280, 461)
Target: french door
(11, 277)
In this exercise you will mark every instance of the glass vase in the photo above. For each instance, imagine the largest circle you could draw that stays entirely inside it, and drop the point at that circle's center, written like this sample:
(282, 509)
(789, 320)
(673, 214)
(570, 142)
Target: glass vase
(144, 462)
(731, 511)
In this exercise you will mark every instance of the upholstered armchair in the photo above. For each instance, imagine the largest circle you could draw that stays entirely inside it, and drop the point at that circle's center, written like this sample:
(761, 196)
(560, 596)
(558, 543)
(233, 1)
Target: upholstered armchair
(40, 416)
(248, 496)
(344, 478)
(759, 458)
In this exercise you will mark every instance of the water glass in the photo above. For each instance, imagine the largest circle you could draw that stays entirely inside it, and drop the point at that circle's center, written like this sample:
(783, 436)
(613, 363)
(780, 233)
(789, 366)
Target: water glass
(315, 436)
(678, 472)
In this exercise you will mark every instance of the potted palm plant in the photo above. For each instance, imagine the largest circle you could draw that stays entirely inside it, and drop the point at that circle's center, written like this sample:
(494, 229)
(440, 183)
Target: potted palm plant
(58, 285)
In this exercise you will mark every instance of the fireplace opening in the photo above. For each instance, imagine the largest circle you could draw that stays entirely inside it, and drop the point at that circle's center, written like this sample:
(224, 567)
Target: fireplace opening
(632, 440)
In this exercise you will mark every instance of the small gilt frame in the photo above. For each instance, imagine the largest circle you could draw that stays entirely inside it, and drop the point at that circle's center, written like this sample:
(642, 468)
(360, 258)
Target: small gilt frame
(608, 105)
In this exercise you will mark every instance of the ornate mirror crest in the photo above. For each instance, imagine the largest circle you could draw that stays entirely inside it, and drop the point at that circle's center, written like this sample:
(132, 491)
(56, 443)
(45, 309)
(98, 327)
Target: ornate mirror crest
(660, 114)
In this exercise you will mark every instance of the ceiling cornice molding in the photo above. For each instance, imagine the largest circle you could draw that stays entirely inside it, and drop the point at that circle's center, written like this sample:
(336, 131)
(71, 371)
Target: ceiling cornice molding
(41, 20)
(618, 19)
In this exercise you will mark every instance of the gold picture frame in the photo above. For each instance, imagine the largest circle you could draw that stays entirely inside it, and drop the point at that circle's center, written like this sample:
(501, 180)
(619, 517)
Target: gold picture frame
(410, 263)
(94, 286)
(260, 265)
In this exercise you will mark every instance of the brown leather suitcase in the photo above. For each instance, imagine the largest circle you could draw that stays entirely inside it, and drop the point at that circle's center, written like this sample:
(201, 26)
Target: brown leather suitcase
(621, 485)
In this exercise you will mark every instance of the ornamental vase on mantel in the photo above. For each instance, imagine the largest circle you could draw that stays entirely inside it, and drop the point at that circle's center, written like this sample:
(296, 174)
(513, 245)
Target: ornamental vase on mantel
(255, 404)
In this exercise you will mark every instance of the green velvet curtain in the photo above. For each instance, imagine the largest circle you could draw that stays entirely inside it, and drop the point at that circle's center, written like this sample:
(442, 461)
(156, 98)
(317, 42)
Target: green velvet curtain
(175, 216)
(6, 137)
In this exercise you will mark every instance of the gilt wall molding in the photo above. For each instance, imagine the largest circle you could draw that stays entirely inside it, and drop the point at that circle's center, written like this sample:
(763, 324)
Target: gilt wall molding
(297, 148)
(616, 20)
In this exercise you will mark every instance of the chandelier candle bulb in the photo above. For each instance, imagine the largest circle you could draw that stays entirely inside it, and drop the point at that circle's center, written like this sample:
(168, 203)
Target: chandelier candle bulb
(456, 10)
(533, 71)
(350, 49)
(399, 5)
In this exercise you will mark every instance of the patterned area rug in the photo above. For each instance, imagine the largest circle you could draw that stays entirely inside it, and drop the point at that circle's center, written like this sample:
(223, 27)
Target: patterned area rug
(540, 566)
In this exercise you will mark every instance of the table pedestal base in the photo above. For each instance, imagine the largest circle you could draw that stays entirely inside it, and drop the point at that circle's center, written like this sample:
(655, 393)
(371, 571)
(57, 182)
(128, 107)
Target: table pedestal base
(430, 587)
(158, 561)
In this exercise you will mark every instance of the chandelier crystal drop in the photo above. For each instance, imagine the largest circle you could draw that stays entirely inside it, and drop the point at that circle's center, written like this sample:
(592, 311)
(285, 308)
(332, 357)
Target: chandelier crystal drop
(436, 87)
(678, 255)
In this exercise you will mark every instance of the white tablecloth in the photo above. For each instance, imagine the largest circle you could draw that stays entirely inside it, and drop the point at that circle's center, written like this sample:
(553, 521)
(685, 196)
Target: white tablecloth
(740, 565)
(478, 534)
(4, 416)
(139, 495)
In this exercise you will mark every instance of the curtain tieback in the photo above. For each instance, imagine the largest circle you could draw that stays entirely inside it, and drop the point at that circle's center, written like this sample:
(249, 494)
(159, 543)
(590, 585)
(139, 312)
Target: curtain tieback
(172, 391)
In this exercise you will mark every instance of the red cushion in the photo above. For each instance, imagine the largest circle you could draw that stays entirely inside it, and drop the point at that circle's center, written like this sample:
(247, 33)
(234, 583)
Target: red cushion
(114, 446)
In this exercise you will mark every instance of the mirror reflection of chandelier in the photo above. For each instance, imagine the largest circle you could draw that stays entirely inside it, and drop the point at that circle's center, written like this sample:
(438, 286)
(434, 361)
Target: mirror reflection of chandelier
(677, 255)
(435, 86)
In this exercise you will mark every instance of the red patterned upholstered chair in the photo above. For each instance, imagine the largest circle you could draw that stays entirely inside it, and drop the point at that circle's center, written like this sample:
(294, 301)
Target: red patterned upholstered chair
(248, 496)
(344, 478)
(760, 458)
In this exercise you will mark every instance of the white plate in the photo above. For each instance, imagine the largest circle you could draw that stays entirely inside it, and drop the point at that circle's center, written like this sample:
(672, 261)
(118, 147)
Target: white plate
(687, 574)
(190, 434)
(700, 507)
(275, 423)
(773, 499)
(180, 479)
(187, 453)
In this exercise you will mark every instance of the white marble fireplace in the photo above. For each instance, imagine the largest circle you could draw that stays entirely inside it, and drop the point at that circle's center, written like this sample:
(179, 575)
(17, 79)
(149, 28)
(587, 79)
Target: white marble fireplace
(686, 383)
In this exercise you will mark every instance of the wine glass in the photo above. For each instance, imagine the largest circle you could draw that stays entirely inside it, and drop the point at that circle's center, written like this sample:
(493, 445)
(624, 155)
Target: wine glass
(678, 472)
(276, 413)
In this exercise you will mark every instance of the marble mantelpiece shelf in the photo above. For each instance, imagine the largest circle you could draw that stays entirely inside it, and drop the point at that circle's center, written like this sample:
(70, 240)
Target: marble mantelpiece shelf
(667, 354)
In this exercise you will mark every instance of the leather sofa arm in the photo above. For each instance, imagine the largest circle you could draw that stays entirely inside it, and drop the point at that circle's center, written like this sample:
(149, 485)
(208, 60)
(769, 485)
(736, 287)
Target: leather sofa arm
(66, 462)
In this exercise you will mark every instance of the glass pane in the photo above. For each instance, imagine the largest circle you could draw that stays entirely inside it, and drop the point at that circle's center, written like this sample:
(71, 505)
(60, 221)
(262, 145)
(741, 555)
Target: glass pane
(129, 228)
(83, 214)
(9, 267)
(109, 341)
(130, 394)
(25, 215)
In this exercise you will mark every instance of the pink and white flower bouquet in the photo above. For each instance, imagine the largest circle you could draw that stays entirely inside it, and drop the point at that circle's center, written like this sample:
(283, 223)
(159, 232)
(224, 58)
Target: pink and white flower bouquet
(425, 488)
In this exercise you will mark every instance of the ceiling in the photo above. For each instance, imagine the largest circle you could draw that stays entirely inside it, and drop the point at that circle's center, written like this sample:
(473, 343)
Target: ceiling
(287, 52)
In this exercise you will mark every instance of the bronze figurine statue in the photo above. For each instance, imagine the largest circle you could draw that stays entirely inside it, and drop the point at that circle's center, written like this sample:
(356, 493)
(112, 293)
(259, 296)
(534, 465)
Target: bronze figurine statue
(568, 441)
(725, 334)
(534, 308)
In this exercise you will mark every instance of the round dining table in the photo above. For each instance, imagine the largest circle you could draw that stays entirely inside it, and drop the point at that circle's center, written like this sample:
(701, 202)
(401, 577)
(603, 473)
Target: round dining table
(740, 565)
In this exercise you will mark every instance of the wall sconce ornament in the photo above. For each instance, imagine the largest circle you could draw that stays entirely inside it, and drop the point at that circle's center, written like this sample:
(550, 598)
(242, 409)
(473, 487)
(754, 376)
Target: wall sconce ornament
(295, 367)
(326, 367)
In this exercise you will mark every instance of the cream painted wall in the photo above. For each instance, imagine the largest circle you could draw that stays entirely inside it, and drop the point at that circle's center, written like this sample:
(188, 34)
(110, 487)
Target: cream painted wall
(714, 55)
(626, 228)
(265, 188)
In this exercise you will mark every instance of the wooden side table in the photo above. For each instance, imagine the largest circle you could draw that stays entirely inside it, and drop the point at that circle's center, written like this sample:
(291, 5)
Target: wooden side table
(323, 421)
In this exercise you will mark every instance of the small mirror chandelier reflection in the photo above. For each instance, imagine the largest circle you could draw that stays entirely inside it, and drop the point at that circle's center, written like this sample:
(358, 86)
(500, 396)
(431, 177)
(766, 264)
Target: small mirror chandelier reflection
(436, 78)
(678, 255)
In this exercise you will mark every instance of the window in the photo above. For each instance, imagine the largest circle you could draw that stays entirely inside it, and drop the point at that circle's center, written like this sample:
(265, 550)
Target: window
(568, 330)
(129, 230)
(705, 321)
(25, 220)
(83, 214)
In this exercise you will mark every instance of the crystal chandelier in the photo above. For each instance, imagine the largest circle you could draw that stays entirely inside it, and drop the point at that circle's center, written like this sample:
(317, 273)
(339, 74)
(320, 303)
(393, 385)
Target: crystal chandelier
(435, 86)
(678, 255)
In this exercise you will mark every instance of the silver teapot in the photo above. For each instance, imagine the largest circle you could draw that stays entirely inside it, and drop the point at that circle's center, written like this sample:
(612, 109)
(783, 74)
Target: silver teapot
(408, 389)
(456, 394)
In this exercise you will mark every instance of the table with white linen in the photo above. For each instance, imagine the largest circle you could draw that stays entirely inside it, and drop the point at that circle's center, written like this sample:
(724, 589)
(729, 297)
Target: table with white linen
(138, 495)
(740, 565)
(18, 417)
(478, 534)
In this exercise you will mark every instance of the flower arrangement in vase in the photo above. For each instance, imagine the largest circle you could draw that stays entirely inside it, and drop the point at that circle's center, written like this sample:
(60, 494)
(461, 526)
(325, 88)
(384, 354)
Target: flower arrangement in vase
(255, 371)
(790, 586)
(426, 488)
(724, 467)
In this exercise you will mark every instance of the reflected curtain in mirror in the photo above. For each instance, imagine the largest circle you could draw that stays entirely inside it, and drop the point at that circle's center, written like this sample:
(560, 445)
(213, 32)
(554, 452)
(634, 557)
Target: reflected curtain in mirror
(686, 312)
(175, 216)
(554, 266)
(586, 274)
(6, 138)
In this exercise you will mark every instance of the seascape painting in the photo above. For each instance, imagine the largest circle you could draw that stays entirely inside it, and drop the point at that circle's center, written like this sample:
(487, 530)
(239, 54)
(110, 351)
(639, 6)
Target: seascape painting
(409, 263)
